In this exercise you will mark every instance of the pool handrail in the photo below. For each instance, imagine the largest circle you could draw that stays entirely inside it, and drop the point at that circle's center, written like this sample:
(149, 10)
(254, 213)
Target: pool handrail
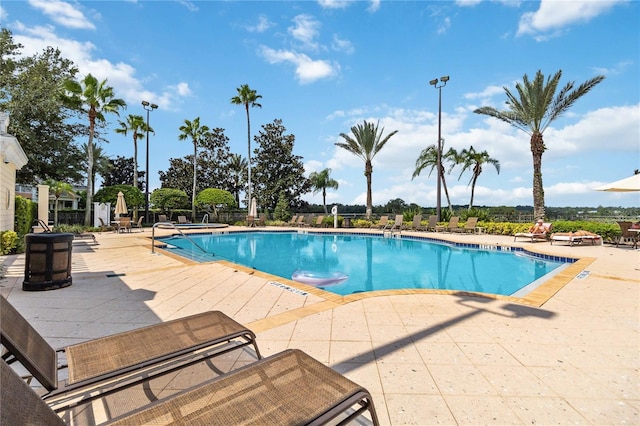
(205, 218)
(172, 225)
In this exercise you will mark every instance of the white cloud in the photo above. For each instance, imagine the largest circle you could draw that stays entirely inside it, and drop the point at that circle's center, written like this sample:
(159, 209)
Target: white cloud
(307, 69)
(305, 30)
(553, 15)
(342, 45)
(63, 13)
(121, 76)
(334, 4)
(263, 25)
(374, 6)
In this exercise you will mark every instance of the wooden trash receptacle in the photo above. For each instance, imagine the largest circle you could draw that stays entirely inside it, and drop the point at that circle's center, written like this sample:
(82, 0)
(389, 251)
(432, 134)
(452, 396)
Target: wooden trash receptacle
(48, 261)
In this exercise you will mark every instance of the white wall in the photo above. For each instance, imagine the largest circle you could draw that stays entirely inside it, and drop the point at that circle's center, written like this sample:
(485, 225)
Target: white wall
(7, 194)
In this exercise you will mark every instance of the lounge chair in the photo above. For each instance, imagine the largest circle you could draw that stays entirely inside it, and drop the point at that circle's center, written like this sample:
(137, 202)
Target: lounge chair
(318, 222)
(300, 221)
(397, 223)
(251, 221)
(433, 223)
(103, 226)
(577, 237)
(469, 226)
(85, 235)
(265, 392)
(292, 221)
(130, 357)
(382, 223)
(262, 220)
(533, 237)
(162, 218)
(416, 225)
(627, 234)
(452, 226)
(182, 220)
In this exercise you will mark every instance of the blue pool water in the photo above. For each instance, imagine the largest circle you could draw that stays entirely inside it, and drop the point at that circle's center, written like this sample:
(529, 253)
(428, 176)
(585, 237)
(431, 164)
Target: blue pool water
(371, 262)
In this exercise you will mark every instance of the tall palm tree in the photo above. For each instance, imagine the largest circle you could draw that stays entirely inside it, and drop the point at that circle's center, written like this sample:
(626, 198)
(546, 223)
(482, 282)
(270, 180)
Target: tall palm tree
(101, 163)
(320, 181)
(471, 159)
(535, 108)
(197, 133)
(237, 166)
(137, 126)
(94, 98)
(58, 188)
(429, 158)
(365, 144)
(247, 97)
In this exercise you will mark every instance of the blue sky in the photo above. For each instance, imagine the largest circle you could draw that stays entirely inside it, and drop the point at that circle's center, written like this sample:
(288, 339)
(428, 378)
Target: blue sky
(324, 66)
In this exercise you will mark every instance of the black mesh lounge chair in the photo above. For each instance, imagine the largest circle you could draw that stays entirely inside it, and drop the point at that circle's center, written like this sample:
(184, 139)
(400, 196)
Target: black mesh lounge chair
(265, 392)
(131, 357)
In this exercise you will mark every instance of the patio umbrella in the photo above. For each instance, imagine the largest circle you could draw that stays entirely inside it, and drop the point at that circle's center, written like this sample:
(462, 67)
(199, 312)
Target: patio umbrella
(253, 208)
(121, 205)
(629, 184)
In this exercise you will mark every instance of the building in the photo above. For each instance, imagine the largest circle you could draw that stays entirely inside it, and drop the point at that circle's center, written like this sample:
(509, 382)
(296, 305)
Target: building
(12, 159)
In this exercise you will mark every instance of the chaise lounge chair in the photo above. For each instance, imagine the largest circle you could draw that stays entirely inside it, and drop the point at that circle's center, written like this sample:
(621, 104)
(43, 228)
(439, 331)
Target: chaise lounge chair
(535, 237)
(267, 391)
(577, 237)
(318, 223)
(433, 223)
(627, 235)
(130, 357)
(416, 225)
(452, 226)
(382, 223)
(182, 220)
(397, 223)
(469, 226)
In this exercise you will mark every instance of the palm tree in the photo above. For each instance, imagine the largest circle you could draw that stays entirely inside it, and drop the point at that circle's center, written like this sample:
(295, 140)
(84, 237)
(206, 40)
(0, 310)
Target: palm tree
(94, 98)
(365, 144)
(320, 181)
(197, 133)
(534, 111)
(247, 97)
(58, 188)
(101, 163)
(137, 126)
(237, 166)
(429, 158)
(470, 158)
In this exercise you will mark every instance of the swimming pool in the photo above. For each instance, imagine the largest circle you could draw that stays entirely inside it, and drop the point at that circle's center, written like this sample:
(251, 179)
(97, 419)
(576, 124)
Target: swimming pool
(373, 262)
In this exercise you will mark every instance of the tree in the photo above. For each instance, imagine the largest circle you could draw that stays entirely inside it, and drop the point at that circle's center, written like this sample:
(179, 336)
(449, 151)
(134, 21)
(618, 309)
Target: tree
(167, 199)
(320, 181)
(247, 97)
(365, 144)
(535, 108)
(29, 92)
(137, 126)
(212, 198)
(214, 162)
(282, 211)
(471, 159)
(93, 99)
(277, 169)
(58, 188)
(429, 158)
(237, 169)
(109, 194)
(120, 172)
(192, 130)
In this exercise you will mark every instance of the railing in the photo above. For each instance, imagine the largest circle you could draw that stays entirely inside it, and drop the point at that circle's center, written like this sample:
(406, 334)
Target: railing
(169, 225)
(205, 218)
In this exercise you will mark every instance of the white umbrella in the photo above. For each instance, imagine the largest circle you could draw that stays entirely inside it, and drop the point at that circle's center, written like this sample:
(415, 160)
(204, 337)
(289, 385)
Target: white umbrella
(629, 184)
(121, 205)
(253, 208)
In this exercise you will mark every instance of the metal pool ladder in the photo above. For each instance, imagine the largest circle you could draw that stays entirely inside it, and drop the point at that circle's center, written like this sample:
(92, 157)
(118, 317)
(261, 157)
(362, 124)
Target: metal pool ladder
(169, 225)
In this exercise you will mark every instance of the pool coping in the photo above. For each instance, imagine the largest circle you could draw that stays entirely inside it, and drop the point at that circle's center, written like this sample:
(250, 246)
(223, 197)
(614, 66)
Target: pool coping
(537, 297)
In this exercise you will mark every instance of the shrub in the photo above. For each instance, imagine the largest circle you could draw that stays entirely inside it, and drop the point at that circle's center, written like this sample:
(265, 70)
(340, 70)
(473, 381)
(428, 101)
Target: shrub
(8, 242)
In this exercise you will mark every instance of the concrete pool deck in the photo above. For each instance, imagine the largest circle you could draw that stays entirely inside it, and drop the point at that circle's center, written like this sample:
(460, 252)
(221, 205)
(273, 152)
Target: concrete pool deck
(427, 357)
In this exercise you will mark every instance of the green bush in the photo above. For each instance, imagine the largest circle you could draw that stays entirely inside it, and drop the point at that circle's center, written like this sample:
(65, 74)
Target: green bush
(8, 242)
(26, 212)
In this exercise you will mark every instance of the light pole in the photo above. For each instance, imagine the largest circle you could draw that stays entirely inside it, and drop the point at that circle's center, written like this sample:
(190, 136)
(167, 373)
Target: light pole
(434, 83)
(147, 107)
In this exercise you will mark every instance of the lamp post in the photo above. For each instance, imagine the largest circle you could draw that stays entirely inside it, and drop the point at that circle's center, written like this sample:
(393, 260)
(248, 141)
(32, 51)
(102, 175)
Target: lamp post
(147, 107)
(434, 83)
